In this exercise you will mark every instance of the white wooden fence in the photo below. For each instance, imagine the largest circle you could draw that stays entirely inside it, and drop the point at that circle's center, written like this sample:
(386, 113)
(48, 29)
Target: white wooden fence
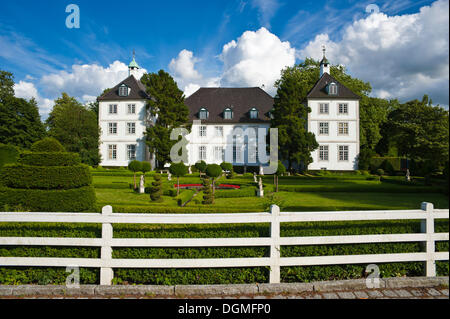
(107, 218)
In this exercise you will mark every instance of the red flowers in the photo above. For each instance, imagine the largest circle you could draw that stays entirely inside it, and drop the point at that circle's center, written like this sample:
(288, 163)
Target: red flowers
(225, 186)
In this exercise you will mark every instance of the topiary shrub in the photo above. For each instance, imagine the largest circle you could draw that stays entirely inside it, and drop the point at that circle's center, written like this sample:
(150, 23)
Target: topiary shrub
(380, 172)
(51, 180)
(48, 144)
(178, 170)
(213, 171)
(201, 167)
(207, 193)
(135, 166)
(157, 189)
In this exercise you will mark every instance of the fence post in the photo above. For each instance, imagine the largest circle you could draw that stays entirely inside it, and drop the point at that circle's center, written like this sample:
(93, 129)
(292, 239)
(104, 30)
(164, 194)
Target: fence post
(275, 245)
(427, 226)
(106, 273)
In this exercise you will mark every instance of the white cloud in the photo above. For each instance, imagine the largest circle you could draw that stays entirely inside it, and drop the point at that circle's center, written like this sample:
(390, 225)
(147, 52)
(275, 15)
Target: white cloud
(255, 59)
(27, 90)
(401, 56)
(86, 79)
(184, 66)
(187, 77)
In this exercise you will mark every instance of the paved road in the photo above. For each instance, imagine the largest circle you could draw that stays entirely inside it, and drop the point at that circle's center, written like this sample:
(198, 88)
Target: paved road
(391, 293)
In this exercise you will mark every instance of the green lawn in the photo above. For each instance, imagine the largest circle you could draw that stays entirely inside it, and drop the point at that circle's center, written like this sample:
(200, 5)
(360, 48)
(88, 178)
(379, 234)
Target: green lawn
(297, 193)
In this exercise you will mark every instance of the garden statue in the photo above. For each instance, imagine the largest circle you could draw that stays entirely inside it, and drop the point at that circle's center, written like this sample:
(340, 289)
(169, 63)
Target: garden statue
(189, 170)
(169, 176)
(260, 192)
(254, 177)
(141, 185)
(408, 175)
(261, 170)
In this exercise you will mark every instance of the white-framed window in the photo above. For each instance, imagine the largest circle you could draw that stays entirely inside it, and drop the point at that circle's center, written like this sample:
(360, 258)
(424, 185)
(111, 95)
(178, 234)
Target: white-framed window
(112, 128)
(203, 114)
(219, 131)
(323, 153)
(343, 128)
(332, 88)
(131, 128)
(131, 108)
(323, 128)
(343, 108)
(112, 151)
(253, 113)
(343, 152)
(131, 151)
(202, 153)
(219, 153)
(113, 109)
(202, 131)
(323, 108)
(123, 90)
(227, 114)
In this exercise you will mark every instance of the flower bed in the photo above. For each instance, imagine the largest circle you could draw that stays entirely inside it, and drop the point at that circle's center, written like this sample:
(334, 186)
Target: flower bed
(221, 186)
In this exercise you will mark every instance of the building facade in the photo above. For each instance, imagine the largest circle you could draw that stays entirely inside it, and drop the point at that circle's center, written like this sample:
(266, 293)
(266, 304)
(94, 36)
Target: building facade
(334, 120)
(229, 123)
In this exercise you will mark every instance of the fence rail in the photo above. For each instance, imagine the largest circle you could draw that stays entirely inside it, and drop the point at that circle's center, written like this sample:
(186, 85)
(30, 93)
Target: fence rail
(427, 214)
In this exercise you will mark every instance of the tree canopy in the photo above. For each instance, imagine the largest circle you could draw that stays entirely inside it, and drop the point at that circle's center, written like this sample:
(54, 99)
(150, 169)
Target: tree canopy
(167, 101)
(20, 122)
(76, 128)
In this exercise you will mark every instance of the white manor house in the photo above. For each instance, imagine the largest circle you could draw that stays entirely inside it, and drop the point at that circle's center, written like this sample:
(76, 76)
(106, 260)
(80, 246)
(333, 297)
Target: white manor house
(216, 112)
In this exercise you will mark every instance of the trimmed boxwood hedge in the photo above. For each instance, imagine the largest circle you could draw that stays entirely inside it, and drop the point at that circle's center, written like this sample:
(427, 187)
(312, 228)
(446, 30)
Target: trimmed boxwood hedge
(65, 200)
(49, 158)
(8, 154)
(234, 193)
(45, 177)
(46, 275)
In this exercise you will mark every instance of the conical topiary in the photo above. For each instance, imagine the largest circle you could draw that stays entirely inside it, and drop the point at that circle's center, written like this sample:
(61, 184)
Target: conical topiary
(47, 179)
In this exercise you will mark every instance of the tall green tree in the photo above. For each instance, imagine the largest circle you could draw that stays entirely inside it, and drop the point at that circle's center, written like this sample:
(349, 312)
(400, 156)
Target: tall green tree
(6, 85)
(20, 123)
(76, 128)
(167, 101)
(421, 132)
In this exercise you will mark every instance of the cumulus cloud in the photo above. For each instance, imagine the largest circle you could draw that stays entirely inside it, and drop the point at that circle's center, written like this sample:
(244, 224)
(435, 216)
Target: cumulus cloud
(27, 90)
(86, 79)
(255, 59)
(401, 56)
(187, 77)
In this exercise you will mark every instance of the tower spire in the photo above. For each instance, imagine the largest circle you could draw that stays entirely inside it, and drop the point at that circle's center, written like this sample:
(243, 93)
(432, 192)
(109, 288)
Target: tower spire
(324, 64)
(133, 66)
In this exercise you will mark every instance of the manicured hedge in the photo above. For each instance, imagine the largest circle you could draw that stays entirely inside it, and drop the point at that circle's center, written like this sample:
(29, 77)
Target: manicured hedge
(8, 154)
(26, 275)
(376, 163)
(49, 158)
(234, 193)
(356, 188)
(70, 200)
(45, 177)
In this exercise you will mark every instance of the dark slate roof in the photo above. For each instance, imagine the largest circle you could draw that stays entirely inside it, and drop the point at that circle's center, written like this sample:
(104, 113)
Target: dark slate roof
(240, 100)
(137, 91)
(319, 90)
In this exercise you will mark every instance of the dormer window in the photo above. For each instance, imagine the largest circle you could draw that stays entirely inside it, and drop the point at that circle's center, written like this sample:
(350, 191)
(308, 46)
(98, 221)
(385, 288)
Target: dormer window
(227, 114)
(123, 90)
(332, 88)
(253, 113)
(203, 114)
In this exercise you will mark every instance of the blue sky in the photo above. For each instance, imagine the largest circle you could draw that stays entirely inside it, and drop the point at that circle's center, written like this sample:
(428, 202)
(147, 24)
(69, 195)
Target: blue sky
(38, 48)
